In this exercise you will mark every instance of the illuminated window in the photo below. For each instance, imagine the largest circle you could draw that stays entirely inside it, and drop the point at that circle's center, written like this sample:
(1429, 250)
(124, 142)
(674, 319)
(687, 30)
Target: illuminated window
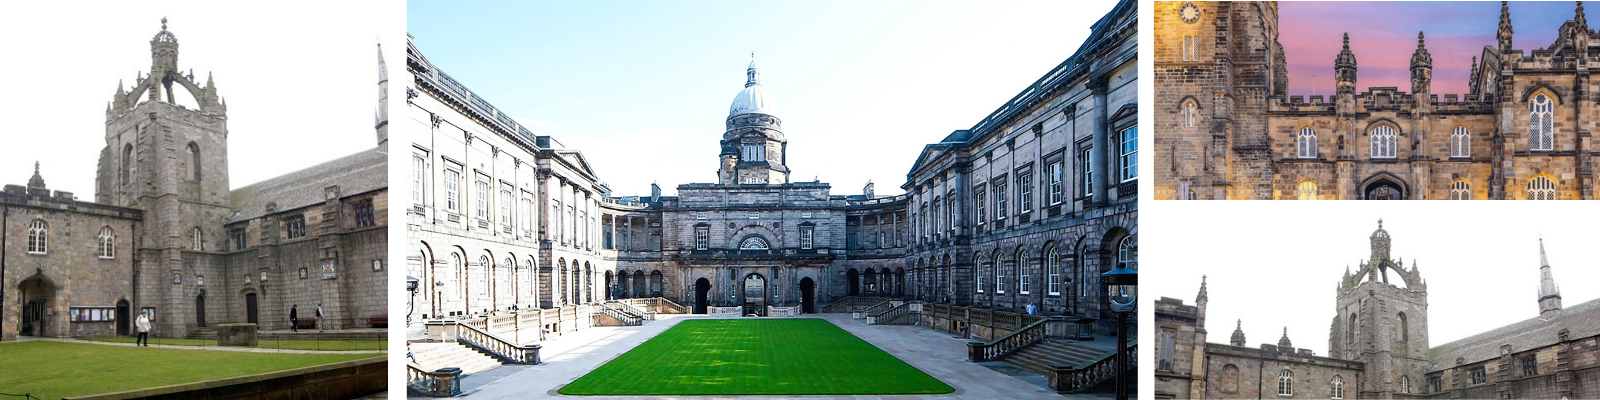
(1383, 142)
(1541, 188)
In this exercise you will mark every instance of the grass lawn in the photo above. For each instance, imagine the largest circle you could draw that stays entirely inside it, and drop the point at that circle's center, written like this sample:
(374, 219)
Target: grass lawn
(52, 370)
(297, 344)
(755, 356)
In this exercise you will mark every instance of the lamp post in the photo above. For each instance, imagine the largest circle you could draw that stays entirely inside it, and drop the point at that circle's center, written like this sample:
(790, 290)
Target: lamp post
(1122, 288)
(411, 287)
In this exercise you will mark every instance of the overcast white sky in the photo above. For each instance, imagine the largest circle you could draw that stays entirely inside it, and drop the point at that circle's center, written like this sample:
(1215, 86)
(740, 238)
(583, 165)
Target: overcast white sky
(1277, 264)
(643, 88)
(300, 79)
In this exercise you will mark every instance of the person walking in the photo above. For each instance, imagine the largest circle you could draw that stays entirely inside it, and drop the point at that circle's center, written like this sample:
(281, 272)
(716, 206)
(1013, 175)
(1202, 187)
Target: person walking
(1033, 309)
(294, 320)
(319, 318)
(143, 325)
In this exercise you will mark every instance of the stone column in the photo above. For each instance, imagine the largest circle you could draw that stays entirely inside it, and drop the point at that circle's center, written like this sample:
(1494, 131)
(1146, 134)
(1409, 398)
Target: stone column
(1098, 141)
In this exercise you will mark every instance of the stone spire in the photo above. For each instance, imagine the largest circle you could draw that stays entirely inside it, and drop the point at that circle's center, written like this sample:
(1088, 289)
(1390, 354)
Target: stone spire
(1380, 245)
(1238, 334)
(1344, 69)
(1283, 342)
(1472, 77)
(1549, 293)
(1580, 21)
(1202, 298)
(1421, 68)
(36, 182)
(1504, 35)
(381, 119)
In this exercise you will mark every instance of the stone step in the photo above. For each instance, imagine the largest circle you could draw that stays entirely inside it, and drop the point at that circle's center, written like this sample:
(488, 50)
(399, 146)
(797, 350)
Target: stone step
(1039, 356)
(432, 356)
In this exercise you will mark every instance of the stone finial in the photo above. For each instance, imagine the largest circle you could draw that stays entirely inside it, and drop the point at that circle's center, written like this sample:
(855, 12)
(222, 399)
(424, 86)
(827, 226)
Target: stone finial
(1238, 334)
(1505, 32)
(1284, 341)
(163, 23)
(1202, 298)
(1344, 69)
(36, 182)
(1582, 22)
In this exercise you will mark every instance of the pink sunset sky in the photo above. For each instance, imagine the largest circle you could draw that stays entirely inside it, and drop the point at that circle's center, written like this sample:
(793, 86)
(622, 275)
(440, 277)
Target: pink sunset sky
(1383, 35)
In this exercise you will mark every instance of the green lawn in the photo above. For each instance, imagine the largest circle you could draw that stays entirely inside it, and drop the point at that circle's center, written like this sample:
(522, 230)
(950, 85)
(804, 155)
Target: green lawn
(296, 344)
(755, 356)
(52, 370)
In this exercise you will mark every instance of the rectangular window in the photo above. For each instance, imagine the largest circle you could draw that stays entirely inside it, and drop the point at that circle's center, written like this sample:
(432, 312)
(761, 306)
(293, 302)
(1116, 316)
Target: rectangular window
(977, 199)
(1164, 356)
(702, 237)
(527, 214)
(1000, 199)
(1530, 366)
(806, 233)
(938, 224)
(239, 239)
(296, 227)
(417, 165)
(999, 277)
(701, 215)
(1025, 192)
(555, 220)
(505, 208)
(1086, 171)
(1436, 383)
(452, 189)
(950, 209)
(805, 214)
(896, 230)
(364, 217)
(755, 215)
(482, 200)
(1478, 376)
(1055, 183)
(1130, 154)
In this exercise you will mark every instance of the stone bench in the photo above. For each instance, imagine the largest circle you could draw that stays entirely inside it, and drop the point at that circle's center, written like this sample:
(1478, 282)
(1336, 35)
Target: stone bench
(378, 321)
(305, 323)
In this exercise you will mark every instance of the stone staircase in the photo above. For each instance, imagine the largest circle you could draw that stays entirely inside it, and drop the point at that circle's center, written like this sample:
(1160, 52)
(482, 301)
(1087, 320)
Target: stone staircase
(432, 356)
(202, 333)
(1037, 357)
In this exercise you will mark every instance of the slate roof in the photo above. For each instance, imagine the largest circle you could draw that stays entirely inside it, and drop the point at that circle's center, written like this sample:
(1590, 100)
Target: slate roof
(1581, 320)
(356, 173)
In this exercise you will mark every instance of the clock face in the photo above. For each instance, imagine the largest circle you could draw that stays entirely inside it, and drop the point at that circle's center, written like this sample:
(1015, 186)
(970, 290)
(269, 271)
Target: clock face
(1189, 12)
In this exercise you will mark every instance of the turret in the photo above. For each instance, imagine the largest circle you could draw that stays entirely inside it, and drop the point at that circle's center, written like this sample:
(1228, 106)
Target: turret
(1421, 69)
(1283, 342)
(1344, 69)
(1238, 334)
(37, 182)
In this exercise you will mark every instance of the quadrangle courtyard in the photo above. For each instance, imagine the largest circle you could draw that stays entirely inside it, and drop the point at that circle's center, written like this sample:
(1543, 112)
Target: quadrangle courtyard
(568, 360)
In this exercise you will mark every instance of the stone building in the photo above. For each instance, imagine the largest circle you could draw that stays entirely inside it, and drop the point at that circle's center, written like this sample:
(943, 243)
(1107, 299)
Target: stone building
(1227, 127)
(753, 240)
(164, 220)
(1378, 347)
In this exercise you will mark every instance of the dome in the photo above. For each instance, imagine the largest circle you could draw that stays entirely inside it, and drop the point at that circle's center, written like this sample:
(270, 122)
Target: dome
(753, 99)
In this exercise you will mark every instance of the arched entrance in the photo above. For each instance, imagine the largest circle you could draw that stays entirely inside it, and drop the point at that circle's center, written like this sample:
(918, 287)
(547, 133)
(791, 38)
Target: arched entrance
(38, 297)
(200, 310)
(755, 295)
(251, 310)
(122, 318)
(1383, 187)
(611, 286)
(638, 284)
(808, 296)
(853, 280)
(702, 294)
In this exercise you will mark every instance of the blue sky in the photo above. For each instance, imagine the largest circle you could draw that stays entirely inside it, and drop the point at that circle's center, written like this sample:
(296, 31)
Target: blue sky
(643, 88)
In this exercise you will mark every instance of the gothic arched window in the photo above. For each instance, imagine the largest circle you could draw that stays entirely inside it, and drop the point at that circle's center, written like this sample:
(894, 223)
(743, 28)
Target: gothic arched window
(107, 243)
(1338, 387)
(1541, 123)
(197, 240)
(1405, 384)
(38, 237)
(1286, 383)
(1230, 379)
(1460, 190)
(1541, 188)
(127, 163)
(1405, 329)
(1191, 114)
(1306, 142)
(1307, 190)
(1460, 143)
(194, 162)
(1383, 142)
(753, 243)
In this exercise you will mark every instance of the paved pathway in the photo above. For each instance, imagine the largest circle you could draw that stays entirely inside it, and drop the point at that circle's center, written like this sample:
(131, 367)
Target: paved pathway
(577, 353)
(211, 348)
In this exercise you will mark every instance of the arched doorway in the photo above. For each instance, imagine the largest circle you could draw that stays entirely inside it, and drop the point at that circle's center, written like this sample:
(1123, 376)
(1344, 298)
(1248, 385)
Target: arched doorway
(808, 296)
(899, 282)
(38, 297)
(123, 314)
(1383, 188)
(853, 281)
(251, 313)
(755, 295)
(702, 294)
(872, 281)
(200, 310)
(638, 284)
(611, 287)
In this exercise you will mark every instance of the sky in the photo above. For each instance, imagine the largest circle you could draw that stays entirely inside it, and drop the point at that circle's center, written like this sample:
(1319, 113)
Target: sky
(301, 87)
(1383, 36)
(1278, 264)
(643, 88)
